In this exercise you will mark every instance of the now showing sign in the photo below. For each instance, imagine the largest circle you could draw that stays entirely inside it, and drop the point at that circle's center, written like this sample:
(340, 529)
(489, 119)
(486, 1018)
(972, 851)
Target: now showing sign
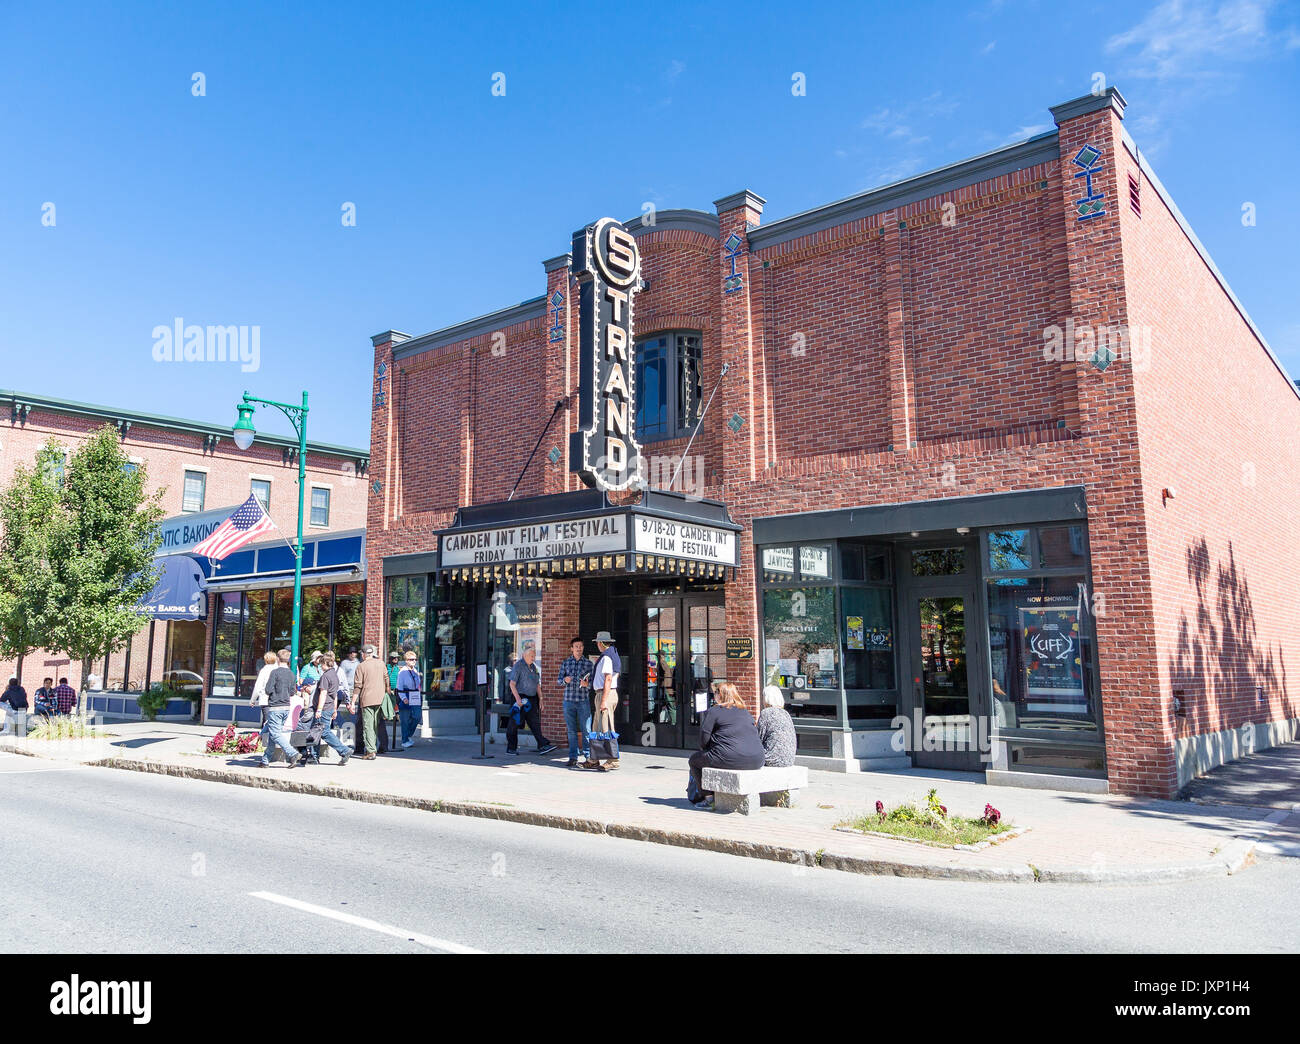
(601, 534)
(688, 540)
(604, 450)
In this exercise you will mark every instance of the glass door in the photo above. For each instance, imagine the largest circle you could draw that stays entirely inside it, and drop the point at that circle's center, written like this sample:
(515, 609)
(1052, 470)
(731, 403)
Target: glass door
(661, 714)
(944, 680)
(685, 660)
(706, 665)
(944, 656)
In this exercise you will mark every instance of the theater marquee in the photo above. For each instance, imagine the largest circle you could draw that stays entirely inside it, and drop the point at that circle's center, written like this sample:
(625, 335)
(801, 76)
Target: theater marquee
(608, 265)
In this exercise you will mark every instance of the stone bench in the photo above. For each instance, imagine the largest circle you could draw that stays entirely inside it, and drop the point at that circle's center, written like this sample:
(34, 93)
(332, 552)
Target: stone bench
(743, 790)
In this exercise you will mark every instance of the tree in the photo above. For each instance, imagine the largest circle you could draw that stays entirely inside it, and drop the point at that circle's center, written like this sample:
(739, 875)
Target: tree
(34, 532)
(107, 569)
(77, 552)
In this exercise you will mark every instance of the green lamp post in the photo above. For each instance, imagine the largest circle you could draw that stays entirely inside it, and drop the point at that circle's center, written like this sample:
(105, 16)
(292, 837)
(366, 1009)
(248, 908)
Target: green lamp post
(243, 434)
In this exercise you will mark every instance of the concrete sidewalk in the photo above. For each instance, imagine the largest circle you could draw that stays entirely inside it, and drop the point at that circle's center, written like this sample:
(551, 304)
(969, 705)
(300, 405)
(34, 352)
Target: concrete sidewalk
(1072, 837)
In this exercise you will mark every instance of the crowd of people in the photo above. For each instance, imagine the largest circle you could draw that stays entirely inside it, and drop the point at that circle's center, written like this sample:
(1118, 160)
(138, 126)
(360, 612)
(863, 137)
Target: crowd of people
(315, 704)
(50, 701)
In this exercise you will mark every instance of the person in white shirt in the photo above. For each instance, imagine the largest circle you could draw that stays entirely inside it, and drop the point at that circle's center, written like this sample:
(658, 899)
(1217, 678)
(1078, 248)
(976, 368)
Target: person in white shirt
(604, 687)
(258, 699)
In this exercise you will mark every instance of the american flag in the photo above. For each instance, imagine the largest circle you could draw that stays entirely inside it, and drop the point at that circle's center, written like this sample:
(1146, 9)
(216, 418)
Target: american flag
(247, 523)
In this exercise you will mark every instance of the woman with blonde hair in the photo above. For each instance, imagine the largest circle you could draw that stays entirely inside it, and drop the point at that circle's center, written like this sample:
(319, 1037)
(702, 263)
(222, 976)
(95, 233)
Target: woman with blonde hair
(728, 740)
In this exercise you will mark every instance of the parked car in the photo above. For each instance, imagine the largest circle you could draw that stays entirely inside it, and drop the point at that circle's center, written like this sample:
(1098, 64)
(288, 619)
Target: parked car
(223, 684)
(186, 682)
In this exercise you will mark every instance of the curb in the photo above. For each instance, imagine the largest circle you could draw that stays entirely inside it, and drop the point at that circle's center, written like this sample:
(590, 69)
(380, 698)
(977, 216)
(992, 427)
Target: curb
(1235, 856)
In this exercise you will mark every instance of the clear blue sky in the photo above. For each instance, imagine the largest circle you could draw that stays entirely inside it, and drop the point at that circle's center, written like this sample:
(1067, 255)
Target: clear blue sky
(225, 209)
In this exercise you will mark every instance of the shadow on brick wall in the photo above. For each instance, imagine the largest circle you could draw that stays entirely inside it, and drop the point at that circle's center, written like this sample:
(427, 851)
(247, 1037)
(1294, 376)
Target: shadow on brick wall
(1220, 662)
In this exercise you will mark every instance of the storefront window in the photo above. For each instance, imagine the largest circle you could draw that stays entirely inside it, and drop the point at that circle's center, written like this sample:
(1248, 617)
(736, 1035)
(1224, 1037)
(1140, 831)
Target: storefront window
(225, 652)
(255, 643)
(814, 561)
(446, 672)
(183, 658)
(778, 563)
(282, 618)
(349, 617)
(799, 638)
(1009, 550)
(938, 561)
(513, 620)
(1041, 653)
(1062, 547)
(406, 629)
(314, 634)
(125, 671)
(868, 637)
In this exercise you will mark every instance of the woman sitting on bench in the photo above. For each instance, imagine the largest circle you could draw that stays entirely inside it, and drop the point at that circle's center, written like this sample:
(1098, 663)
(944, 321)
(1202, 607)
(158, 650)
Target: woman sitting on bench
(728, 740)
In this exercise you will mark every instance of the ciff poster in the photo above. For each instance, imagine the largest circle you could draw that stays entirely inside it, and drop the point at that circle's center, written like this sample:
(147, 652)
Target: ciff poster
(1050, 649)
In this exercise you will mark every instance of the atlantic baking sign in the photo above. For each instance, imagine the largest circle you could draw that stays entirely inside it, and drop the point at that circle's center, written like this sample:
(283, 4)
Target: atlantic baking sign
(598, 534)
(604, 449)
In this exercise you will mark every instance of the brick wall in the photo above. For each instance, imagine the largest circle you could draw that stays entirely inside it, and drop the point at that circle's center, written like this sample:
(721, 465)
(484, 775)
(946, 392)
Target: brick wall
(1217, 425)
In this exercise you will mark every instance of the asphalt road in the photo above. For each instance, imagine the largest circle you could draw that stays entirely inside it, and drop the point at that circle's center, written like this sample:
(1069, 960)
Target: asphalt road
(114, 861)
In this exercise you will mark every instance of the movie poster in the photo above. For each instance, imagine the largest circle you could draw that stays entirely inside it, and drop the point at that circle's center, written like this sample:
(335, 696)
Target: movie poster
(1050, 650)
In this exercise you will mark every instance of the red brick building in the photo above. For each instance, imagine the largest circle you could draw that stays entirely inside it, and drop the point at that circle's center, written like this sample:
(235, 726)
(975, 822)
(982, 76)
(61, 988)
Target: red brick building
(1004, 466)
(204, 477)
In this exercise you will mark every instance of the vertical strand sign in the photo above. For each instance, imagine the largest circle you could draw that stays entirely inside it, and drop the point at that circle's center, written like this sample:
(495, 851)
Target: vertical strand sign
(608, 266)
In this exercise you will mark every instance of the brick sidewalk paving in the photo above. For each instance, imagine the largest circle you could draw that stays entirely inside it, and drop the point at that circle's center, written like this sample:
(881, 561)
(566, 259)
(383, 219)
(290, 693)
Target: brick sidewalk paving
(1072, 836)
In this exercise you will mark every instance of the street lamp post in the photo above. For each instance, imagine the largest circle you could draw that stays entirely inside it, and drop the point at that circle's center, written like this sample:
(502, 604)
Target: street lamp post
(243, 433)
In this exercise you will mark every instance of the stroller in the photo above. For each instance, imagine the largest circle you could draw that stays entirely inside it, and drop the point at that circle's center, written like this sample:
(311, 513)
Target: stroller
(304, 734)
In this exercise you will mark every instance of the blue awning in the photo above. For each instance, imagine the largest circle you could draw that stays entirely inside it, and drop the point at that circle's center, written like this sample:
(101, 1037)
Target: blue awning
(180, 593)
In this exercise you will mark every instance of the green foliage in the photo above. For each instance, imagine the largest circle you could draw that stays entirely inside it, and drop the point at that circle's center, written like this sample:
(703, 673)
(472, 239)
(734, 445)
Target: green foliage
(930, 822)
(76, 556)
(63, 727)
(155, 699)
(34, 531)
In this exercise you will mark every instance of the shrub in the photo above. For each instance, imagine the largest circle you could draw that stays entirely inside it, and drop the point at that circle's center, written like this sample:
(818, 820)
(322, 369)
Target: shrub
(228, 742)
(154, 700)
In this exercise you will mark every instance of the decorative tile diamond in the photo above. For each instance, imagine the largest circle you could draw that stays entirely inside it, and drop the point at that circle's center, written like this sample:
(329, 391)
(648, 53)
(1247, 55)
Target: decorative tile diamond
(383, 369)
(557, 299)
(1087, 156)
(733, 243)
(1102, 358)
(736, 423)
(554, 455)
(376, 487)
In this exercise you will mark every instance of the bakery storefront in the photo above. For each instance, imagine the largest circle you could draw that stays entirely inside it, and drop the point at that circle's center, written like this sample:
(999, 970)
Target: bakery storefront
(251, 611)
(650, 571)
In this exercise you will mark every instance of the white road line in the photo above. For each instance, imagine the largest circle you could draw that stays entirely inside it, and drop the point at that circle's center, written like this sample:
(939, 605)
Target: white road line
(364, 922)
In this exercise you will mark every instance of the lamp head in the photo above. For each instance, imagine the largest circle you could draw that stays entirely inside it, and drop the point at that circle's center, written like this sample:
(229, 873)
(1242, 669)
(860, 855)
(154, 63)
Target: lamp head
(243, 430)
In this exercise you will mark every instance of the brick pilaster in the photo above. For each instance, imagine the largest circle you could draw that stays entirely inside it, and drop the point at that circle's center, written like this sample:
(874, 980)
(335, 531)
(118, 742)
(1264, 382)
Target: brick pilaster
(1138, 724)
(744, 455)
(384, 504)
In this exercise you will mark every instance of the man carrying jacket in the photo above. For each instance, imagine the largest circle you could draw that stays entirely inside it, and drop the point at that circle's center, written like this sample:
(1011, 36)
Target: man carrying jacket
(370, 686)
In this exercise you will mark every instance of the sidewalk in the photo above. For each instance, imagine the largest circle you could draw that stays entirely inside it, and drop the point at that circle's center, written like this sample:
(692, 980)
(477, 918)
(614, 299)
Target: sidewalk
(1073, 837)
